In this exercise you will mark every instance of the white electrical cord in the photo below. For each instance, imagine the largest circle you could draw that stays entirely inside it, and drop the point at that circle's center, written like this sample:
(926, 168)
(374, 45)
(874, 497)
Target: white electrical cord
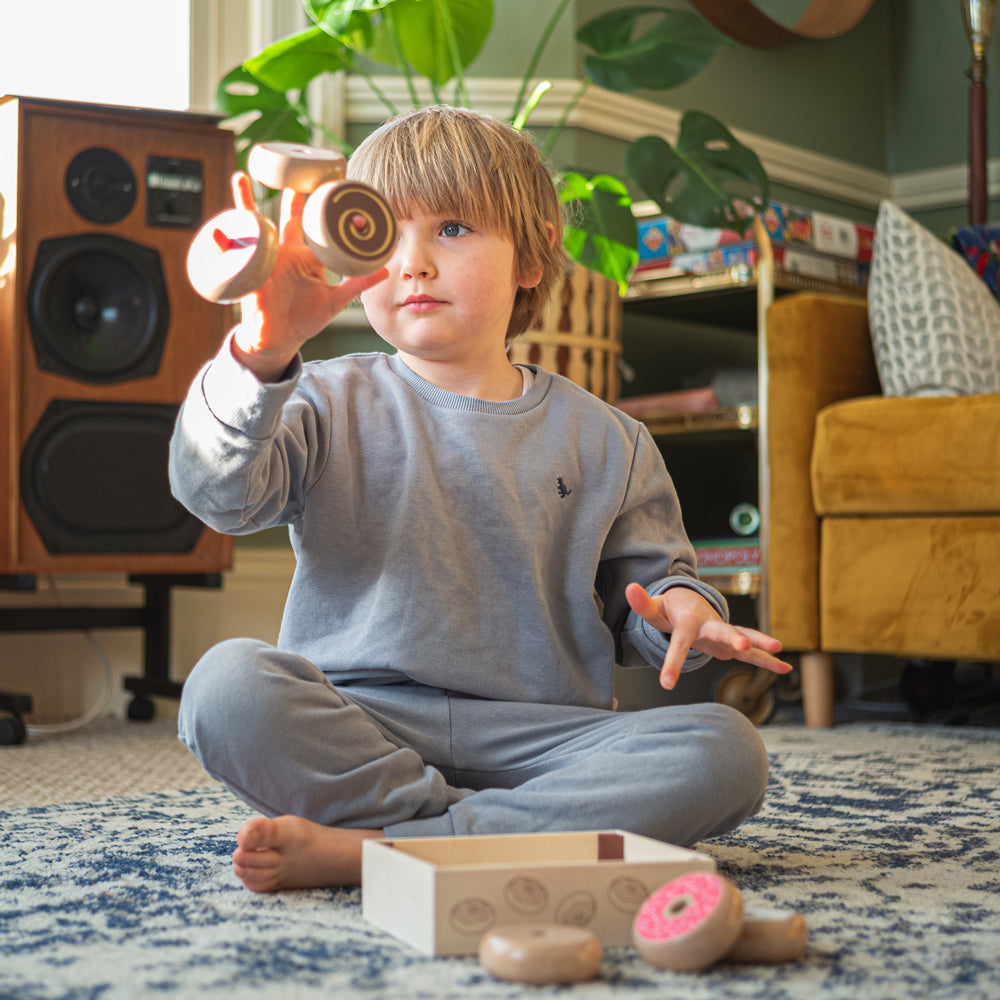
(102, 699)
(94, 711)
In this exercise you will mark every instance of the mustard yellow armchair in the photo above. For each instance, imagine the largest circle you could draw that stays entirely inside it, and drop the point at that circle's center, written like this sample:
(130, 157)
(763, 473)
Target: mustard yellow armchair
(884, 513)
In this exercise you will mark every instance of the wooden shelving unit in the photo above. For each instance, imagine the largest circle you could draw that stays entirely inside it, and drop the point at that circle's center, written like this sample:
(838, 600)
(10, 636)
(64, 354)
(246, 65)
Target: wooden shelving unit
(737, 297)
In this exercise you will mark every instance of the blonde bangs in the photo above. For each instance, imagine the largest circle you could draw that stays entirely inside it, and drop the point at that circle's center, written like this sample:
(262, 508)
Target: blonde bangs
(473, 168)
(436, 164)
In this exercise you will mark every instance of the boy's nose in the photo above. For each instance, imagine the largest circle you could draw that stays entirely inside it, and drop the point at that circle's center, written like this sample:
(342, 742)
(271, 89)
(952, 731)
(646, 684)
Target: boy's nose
(414, 260)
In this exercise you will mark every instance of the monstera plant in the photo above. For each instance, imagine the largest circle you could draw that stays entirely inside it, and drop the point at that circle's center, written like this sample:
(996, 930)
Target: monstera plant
(705, 178)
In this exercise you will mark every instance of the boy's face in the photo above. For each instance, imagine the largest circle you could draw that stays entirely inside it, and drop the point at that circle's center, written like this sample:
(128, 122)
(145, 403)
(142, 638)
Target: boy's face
(450, 291)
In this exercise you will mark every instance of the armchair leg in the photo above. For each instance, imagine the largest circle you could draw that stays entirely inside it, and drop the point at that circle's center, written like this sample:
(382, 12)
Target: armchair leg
(817, 689)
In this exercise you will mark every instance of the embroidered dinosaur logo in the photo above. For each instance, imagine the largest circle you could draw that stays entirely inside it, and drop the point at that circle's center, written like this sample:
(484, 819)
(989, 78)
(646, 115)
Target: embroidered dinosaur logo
(562, 488)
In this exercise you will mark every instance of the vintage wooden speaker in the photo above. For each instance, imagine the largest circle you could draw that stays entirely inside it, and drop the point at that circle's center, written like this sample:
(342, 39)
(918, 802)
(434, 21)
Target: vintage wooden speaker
(101, 333)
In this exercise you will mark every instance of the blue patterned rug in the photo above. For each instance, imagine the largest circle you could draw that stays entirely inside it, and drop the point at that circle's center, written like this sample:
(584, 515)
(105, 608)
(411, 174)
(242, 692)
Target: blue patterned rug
(884, 836)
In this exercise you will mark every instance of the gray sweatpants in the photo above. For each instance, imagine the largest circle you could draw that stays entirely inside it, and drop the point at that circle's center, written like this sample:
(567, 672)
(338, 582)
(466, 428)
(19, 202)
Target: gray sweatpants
(421, 761)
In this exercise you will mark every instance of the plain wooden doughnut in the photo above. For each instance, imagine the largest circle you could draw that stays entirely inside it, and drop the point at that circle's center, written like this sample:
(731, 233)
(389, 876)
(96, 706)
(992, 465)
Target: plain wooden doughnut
(770, 936)
(295, 167)
(541, 954)
(232, 254)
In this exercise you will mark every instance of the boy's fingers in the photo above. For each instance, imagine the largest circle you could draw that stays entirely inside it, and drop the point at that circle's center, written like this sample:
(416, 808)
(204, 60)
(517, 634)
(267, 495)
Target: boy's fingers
(243, 192)
(643, 605)
(346, 291)
(680, 645)
(292, 205)
(760, 639)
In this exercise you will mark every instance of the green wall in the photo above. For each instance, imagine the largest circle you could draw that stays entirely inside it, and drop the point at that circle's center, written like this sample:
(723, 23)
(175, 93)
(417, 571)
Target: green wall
(891, 96)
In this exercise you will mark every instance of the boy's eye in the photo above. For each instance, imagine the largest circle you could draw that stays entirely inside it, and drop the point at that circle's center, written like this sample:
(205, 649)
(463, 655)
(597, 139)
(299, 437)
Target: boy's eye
(452, 229)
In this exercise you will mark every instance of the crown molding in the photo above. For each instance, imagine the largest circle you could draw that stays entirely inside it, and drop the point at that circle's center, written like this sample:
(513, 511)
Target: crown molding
(942, 187)
(624, 117)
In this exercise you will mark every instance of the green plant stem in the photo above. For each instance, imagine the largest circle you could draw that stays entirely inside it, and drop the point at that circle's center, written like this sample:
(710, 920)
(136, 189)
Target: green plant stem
(377, 90)
(404, 65)
(556, 129)
(461, 94)
(536, 55)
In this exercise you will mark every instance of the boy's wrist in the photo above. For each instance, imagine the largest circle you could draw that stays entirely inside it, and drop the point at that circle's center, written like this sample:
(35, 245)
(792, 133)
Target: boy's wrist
(268, 365)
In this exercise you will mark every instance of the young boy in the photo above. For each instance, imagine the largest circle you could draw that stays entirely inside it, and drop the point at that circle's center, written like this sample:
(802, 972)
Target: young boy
(476, 544)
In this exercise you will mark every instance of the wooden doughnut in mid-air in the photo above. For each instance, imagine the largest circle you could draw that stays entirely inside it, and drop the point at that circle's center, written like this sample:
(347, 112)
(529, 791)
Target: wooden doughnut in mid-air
(348, 225)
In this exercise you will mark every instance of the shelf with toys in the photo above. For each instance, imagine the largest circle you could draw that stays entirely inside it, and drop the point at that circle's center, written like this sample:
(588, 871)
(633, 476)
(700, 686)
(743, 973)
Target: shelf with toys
(714, 435)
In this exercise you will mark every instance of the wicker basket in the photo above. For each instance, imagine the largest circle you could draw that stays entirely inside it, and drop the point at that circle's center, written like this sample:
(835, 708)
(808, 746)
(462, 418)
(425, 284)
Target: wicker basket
(580, 335)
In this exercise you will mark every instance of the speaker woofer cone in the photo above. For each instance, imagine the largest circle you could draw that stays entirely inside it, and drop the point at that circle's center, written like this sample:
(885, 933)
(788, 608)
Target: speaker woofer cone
(98, 308)
(94, 479)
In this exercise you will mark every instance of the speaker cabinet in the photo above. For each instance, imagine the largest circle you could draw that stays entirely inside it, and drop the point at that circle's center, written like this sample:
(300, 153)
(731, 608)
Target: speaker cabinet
(100, 332)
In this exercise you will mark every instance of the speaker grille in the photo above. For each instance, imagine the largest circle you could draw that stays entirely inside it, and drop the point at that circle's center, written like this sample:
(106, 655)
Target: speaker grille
(98, 308)
(94, 479)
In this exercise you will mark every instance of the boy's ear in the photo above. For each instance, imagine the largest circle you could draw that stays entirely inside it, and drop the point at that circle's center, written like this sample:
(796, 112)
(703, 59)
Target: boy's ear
(531, 278)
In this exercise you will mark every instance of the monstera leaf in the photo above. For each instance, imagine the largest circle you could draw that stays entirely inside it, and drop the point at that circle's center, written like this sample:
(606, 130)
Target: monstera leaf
(265, 115)
(434, 38)
(293, 63)
(438, 38)
(702, 177)
(648, 48)
(602, 232)
(349, 20)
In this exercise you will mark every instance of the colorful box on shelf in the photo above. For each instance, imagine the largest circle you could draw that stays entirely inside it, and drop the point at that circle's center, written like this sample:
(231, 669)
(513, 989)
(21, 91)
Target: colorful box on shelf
(662, 238)
(727, 555)
(441, 894)
(833, 270)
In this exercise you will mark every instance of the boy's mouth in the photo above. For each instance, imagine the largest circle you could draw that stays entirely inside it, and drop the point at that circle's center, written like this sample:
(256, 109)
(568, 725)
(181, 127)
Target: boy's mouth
(418, 303)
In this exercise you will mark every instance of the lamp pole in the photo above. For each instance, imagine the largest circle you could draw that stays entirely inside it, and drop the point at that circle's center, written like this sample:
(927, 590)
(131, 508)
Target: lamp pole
(978, 18)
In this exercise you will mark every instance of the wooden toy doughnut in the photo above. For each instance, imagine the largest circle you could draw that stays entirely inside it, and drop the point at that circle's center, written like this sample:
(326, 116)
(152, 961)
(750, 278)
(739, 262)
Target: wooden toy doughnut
(350, 227)
(540, 954)
(689, 923)
(295, 167)
(770, 936)
(232, 255)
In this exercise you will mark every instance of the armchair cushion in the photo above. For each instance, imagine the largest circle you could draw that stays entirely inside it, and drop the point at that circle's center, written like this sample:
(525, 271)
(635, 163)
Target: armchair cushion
(911, 586)
(935, 326)
(907, 456)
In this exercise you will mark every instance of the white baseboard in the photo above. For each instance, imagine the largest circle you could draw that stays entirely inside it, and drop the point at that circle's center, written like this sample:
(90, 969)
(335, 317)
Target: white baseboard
(63, 672)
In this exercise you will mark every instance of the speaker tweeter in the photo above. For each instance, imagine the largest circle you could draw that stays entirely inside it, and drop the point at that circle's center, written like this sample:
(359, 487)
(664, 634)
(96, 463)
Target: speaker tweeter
(100, 185)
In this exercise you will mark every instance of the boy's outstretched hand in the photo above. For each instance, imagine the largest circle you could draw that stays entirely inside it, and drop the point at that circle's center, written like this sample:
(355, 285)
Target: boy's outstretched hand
(694, 624)
(296, 301)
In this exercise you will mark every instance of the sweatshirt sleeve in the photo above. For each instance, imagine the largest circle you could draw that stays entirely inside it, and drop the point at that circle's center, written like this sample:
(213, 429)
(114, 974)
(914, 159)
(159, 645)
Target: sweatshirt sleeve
(648, 544)
(243, 453)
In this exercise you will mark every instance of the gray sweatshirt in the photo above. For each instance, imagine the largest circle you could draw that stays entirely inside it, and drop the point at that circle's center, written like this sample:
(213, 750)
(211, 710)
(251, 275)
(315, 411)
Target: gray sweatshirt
(481, 547)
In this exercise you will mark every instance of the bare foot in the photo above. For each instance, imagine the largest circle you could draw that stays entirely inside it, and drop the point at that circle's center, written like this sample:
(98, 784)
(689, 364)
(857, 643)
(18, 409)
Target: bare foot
(290, 852)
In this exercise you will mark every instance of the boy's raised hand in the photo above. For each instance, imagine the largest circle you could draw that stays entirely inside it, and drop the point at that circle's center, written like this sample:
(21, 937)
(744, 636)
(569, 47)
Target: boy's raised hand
(296, 302)
(693, 623)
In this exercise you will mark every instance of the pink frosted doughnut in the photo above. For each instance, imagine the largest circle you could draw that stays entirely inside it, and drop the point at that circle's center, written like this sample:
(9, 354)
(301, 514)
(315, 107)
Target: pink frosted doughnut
(688, 923)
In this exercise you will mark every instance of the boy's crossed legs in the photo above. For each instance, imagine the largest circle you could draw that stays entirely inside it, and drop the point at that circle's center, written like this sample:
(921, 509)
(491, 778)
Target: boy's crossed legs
(330, 767)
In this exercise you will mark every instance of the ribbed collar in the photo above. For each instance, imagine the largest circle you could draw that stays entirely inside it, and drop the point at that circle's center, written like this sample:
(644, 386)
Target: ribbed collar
(471, 404)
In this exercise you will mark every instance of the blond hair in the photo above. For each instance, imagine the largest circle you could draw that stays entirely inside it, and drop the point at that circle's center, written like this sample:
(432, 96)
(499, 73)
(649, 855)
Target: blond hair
(444, 160)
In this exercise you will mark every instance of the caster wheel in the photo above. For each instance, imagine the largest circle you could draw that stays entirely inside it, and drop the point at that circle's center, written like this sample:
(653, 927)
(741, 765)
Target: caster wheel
(232, 255)
(13, 731)
(349, 227)
(746, 691)
(141, 709)
(788, 687)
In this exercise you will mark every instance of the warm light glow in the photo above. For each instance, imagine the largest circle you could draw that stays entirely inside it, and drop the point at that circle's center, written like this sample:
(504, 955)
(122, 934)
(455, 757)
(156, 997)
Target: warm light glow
(103, 51)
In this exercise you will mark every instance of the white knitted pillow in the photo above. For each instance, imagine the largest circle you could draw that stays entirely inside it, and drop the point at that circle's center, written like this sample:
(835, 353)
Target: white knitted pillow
(935, 326)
